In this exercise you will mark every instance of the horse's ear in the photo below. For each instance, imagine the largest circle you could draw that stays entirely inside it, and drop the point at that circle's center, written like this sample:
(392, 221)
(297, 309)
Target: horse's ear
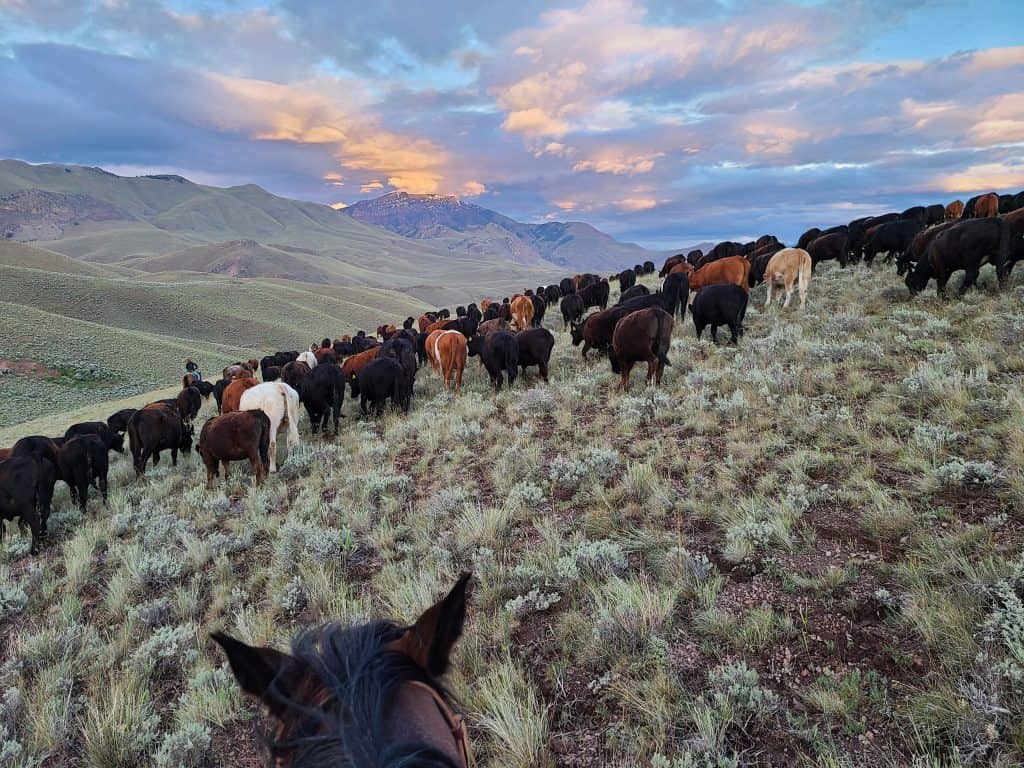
(267, 674)
(430, 640)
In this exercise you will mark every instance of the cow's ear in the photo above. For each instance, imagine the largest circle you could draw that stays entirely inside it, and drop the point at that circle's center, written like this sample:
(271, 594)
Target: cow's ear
(430, 640)
(269, 675)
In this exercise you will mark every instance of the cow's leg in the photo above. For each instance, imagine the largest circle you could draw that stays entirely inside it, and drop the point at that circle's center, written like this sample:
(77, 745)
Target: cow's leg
(736, 331)
(362, 404)
(544, 371)
(210, 472)
(272, 450)
(586, 346)
(659, 372)
(970, 279)
(789, 293)
(768, 298)
(156, 457)
(714, 333)
(652, 368)
(33, 524)
(174, 457)
(458, 380)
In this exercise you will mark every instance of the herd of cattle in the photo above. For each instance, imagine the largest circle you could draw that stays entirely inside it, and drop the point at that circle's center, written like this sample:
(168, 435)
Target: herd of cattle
(508, 336)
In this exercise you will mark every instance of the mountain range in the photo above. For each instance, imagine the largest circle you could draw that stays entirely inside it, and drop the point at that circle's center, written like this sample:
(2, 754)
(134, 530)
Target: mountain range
(462, 227)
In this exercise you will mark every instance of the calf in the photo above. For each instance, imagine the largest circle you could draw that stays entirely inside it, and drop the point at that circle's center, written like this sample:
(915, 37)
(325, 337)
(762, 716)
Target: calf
(642, 336)
(720, 305)
(114, 441)
(731, 270)
(235, 437)
(572, 309)
(82, 461)
(323, 393)
(118, 422)
(596, 331)
(966, 245)
(595, 295)
(827, 247)
(535, 347)
(155, 428)
(788, 266)
(189, 401)
(24, 495)
(522, 312)
(380, 380)
(281, 405)
(893, 237)
(499, 353)
(234, 391)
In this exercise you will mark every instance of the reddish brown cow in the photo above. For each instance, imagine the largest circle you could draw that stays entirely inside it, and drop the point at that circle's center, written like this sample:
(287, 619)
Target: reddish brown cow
(234, 437)
(447, 351)
(671, 262)
(732, 270)
(326, 355)
(639, 337)
(233, 393)
(987, 206)
(490, 326)
(485, 304)
(522, 312)
(437, 325)
(386, 331)
(424, 323)
(681, 266)
(954, 210)
(353, 365)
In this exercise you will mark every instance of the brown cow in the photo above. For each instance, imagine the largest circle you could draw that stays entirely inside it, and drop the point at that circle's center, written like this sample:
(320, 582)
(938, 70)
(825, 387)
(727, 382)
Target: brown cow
(234, 437)
(448, 351)
(239, 371)
(485, 304)
(954, 210)
(386, 331)
(671, 262)
(437, 325)
(522, 312)
(233, 393)
(424, 323)
(681, 266)
(326, 355)
(987, 206)
(642, 336)
(490, 326)
(732, 270)
(353, 365)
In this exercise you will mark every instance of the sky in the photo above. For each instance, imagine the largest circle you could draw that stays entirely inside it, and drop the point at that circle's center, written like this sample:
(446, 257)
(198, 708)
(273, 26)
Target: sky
(662, 123)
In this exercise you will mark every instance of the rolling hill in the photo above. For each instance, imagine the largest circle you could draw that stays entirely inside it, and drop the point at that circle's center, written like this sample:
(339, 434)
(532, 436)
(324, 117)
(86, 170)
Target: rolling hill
(459, 226)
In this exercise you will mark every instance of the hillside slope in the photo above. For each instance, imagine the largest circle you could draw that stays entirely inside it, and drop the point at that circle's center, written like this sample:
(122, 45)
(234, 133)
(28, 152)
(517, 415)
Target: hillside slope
(453, 223)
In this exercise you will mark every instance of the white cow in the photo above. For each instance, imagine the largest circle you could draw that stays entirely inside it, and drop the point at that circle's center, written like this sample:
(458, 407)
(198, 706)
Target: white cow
(309, 359)
(281, 404)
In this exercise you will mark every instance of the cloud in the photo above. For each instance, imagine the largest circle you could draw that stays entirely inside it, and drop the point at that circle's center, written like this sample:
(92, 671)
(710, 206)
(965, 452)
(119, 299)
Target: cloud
(618, 162)
(634, 204)
(983, 177)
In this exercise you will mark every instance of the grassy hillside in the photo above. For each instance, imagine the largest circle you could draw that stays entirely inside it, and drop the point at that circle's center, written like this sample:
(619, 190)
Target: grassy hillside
(168, 223)
(805, 551)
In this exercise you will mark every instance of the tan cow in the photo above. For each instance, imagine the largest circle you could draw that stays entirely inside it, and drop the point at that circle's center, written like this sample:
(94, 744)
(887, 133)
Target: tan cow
(987, 206)
(447, 352)
(522, 312)
(954, 210)
(788, 266)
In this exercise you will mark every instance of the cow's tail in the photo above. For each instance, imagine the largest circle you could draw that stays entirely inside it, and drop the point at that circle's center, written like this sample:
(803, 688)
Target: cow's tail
(1005, 236)
(662, 355)
(803, 273)
(292, 414)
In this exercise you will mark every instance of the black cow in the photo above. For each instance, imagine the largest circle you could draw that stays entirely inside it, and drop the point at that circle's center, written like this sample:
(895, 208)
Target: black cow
(595, 295)
(572, 309)
(718, 305)
(891, 238)
(403, 350)
(632, 293)
(916, 213)
(540, 306)
(342, 349)
(827, 247)
(552, 294)
(421, 346)
(361, 343)
(693, 258)
(627, 279)
(464, 325)
(380, 380)
(648, 267)
(493, 312)
(26, 491)
(272, 373)
(118, 422)
(218, 392)
(473, 313)
(566, 286)
(808, 237)
(41, 447)
(966, 245)
(460, 311)
(499, 352)
(935, 214)
(189, 401)
(673, 296)
(157, 428)
(587, 279)
(860, 229)
(915, 251)
(323, 394)
(83, 461)
(535, 345)
(114, 441)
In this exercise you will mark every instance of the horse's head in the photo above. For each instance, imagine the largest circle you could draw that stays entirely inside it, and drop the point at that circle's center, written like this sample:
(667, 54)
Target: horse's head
(364, 695)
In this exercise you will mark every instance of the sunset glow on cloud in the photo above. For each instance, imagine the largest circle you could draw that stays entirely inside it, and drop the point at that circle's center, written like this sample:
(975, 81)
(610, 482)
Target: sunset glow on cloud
(662, 122)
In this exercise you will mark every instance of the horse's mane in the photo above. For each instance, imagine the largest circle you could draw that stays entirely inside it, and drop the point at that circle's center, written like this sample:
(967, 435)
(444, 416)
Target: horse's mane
(361, 679)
